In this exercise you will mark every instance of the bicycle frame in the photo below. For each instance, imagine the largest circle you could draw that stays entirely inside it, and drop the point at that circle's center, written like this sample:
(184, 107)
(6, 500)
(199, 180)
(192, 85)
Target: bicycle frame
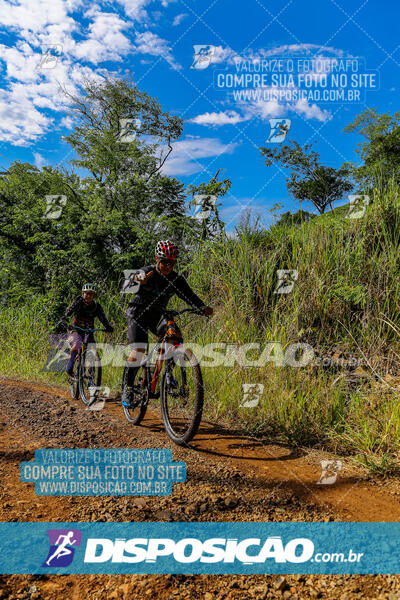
(172, 332)
(160, 360)
(85, 339)
(173, 383)
(87, 331)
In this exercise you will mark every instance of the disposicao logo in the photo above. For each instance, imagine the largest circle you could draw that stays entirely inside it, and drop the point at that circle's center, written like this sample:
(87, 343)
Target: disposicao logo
(62, 547)
(190, 550)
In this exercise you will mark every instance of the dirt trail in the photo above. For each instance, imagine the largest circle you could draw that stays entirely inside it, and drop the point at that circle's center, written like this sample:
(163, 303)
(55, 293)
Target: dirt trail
(229, 478)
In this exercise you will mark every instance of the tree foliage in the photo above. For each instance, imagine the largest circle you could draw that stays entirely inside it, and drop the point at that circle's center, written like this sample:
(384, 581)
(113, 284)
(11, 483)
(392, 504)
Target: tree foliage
(116, 208)
(210, 222)
(380, 149)
(308, 179)
(297, 218)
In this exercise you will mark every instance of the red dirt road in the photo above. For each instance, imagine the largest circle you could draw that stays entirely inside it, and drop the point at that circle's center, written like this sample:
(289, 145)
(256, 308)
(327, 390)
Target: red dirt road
(230, 477)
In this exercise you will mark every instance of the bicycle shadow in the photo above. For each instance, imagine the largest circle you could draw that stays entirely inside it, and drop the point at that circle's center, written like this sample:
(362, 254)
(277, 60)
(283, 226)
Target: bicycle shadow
(211, 434)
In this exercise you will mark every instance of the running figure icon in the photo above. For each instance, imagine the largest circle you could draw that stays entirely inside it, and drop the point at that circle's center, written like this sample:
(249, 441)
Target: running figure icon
(63, 543)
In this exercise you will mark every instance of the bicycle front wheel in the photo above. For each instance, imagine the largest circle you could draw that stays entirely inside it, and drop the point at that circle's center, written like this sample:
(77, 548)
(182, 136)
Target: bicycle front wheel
(182, 396)
(74, 382)
(89, 376)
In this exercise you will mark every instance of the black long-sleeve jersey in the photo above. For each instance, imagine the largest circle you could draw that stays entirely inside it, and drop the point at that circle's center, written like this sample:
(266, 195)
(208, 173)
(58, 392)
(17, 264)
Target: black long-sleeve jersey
(159, 289)
(85, 314)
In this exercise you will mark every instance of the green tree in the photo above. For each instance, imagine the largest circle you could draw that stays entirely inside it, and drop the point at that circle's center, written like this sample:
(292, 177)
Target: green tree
(380, 149)
(114, 211)
(28, 239)
(132, 198)
(210, 222)
(308, 179)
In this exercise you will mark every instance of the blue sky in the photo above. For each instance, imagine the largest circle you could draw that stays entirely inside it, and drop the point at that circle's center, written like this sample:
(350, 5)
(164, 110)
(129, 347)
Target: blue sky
(153, 41)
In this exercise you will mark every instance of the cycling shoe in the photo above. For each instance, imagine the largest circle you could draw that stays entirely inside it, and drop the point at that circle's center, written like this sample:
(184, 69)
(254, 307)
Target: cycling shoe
(127, 397)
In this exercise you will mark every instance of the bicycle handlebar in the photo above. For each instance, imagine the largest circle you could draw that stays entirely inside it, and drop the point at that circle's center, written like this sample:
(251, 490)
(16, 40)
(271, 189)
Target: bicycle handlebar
(88, 330)
(196, 311)
(174, 313)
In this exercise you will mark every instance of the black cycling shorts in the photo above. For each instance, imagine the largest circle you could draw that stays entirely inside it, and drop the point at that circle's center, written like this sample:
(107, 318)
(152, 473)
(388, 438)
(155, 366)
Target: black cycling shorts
(140, 321)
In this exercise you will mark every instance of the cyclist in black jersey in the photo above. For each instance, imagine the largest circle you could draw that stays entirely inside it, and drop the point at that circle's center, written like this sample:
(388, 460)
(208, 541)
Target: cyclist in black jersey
(84, 309)
(157, 284)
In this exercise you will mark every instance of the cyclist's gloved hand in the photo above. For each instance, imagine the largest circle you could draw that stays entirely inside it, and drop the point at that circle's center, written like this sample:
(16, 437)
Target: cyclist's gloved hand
(142, 278)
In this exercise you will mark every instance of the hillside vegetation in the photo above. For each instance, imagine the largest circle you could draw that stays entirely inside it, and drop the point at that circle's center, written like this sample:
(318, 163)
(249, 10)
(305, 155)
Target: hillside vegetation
(344, 305)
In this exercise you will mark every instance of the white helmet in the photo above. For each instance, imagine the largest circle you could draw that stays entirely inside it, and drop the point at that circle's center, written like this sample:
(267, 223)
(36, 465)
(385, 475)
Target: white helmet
(89, 287)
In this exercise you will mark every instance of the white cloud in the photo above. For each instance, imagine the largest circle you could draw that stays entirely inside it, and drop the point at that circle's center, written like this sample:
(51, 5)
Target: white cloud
(186, 155)
(228, 117)
(28, 92)
(264, 110)
(135, 9)
(21, 62)
(29, 86)
(179, 18)
(20, 121)
(39, 159)
(67, 122)
(311, 111)
(105, 41)
(150, 43)
(29, 16)
(221, 55)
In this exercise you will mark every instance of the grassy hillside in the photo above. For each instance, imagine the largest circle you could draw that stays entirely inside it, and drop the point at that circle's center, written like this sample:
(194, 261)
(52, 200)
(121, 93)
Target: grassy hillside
(344, 305)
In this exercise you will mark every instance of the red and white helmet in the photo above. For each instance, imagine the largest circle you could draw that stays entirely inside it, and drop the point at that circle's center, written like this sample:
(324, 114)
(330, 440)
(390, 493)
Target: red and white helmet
(167, 249)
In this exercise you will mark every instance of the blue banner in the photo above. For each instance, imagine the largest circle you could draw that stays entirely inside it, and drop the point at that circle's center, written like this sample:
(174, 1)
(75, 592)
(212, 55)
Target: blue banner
(192, 548)
(103, 472)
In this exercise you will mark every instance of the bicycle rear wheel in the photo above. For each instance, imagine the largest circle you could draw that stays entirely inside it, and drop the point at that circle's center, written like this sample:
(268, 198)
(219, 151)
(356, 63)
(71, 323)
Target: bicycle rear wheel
(89, 376)
(134, 414)
(182, 396)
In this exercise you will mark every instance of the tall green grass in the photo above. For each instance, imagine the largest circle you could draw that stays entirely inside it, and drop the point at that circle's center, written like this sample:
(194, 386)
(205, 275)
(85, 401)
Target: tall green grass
(346, 299)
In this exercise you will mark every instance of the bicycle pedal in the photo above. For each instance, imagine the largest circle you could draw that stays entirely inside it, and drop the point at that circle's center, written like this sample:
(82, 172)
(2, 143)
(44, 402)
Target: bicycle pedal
(131, 405)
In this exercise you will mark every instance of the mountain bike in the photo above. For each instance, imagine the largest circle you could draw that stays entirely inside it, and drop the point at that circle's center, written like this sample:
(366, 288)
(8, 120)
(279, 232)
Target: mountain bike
(181, 388)
(87, 371)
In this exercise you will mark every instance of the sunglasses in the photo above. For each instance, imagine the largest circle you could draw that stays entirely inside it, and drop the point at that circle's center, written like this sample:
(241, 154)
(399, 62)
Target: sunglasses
(167, 262)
